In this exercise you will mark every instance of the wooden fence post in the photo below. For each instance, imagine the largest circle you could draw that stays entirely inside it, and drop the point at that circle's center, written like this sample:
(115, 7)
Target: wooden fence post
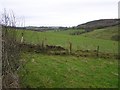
(97, 51)
(42, 44)
(70, 47)
(22, 39)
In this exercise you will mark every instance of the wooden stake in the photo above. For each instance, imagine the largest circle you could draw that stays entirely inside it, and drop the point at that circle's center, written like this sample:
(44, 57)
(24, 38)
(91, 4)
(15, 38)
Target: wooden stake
(98, 51)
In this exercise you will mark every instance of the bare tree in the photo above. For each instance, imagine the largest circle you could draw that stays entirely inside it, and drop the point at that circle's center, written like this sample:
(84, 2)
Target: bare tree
(10, 51)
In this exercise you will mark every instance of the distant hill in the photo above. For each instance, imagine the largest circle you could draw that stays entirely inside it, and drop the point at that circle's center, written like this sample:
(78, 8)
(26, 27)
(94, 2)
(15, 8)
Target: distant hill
(45, 28)
(109, 33)
(98, 24)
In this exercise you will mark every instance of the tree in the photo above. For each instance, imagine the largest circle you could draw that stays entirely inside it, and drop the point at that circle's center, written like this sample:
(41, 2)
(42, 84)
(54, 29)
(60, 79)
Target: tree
(10, 51)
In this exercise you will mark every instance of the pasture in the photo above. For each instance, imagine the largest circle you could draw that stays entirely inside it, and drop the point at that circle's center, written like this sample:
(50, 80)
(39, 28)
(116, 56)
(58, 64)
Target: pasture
(79, 42)
(51, 71)
(105, 33)
(40, 70)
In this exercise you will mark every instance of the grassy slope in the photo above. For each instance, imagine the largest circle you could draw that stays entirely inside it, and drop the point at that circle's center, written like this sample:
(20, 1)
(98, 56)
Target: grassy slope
(68, 71)
(78, 41)
(105, 33)
(69, 31)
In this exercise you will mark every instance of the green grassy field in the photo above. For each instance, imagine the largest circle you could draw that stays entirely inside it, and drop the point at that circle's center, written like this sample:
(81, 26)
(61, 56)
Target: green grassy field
(78, 41)
(69, 31)
(105, 33)
(44, 71)
(54, 71)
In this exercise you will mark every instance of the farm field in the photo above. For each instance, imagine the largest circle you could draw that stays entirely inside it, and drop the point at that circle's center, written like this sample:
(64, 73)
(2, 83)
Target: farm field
(78, 41)
(51, 71)
(67, 71)
(59, 44)
(105, 33)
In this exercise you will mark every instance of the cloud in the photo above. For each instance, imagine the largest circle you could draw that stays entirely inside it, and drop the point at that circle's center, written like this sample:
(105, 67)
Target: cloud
(61, 12)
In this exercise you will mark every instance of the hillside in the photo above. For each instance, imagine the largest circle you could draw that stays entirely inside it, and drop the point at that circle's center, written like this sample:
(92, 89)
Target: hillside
(48, 70)
(51, 71)
(99, 23)
(109, 33)
(60, 39)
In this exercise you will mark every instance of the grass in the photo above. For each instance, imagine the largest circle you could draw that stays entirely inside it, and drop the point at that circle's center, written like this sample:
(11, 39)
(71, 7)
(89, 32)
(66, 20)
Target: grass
(69, 31)
(46, 71)
(52, 71)
(105, 33)
(78, 41)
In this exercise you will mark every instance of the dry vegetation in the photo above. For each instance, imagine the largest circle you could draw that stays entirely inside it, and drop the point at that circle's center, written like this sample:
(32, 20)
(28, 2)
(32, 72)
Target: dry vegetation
(10, 52)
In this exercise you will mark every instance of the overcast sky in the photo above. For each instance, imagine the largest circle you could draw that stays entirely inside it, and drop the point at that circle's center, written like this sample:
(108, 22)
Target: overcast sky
(61, 12)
